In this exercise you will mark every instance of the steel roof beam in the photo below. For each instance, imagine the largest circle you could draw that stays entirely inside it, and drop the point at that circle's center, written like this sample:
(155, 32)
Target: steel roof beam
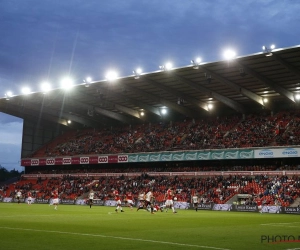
(26, 112)
(101, 111)
(121, 108)
(171, 105)
(236, 87)
(113, 115)
(289, 67)
(267, 82)
(176, 93)
(227, 101)
(42, 109)
(142, 105)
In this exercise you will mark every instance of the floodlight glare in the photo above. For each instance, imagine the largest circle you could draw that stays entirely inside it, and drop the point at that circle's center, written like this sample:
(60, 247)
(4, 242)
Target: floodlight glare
(142, 113)
(111, 75)
(265, 100)
(229, 54)
(210, 106)
(45, 87)
(87, 81)
(69, 121)
(196, 63)
(137, 73)
(167, 66)
(297, 96)
(164, 111)
(268, 51)
(8, 95)
(66, 83)
(25, 90)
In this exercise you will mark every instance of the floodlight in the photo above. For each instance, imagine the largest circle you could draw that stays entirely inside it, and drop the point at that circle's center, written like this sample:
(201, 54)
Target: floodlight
(69, 121)
(297, 96)
(229, 54)
(196, 63)
(210, 106)
(25, 90)
(66, 83)
(137, 73)
(87, 81)
(142, 113)
(265, 100)
(163, 111)
(268, 51)
(111, 75)
(167, 66)
(8, 95)
(45, 87)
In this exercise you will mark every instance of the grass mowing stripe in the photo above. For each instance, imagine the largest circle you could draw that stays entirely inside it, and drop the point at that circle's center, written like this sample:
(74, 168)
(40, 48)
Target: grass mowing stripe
(288, 224)
(270, 224)
(114, 237)
(15, 216)
(217, 230)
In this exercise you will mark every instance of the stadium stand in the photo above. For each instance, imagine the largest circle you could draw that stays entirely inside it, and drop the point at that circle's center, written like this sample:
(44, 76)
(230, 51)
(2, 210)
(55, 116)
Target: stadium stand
(254, 130)
(266, 190)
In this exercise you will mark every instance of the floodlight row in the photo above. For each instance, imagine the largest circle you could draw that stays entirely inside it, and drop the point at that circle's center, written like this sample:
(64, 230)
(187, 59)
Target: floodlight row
(68, 83)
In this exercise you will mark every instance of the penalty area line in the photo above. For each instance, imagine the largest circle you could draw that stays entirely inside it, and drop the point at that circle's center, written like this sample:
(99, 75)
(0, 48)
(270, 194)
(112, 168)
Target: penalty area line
(113, 237)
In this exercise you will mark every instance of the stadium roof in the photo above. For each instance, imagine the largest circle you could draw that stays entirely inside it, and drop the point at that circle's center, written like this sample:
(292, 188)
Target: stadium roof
(239, 85)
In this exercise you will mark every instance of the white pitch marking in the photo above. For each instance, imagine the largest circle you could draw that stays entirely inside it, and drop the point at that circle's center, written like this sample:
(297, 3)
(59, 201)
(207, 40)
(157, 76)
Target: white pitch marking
(6, 216)
(286, 223)
(114, 237)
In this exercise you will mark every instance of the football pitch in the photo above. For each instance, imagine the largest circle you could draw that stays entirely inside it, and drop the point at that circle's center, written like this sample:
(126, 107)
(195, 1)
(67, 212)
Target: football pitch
(79, 227)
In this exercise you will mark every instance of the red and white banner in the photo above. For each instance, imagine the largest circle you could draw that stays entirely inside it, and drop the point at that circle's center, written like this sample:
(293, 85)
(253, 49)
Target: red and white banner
(123, 158)
(66, 161)
(84, 160)
(103, 159)
(50, 161)
(35, 162)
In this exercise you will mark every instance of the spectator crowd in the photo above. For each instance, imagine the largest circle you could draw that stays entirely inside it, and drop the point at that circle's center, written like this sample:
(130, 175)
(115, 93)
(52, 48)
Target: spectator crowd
(255, 130)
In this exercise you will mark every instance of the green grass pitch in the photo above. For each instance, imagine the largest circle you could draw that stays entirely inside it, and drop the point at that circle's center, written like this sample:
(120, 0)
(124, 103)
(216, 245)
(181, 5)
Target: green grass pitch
(79, 227)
